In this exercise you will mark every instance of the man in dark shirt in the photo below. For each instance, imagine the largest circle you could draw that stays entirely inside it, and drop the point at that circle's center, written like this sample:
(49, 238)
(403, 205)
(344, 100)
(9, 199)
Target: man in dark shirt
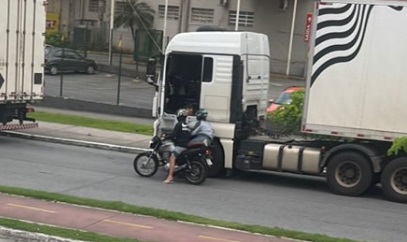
(180, 136)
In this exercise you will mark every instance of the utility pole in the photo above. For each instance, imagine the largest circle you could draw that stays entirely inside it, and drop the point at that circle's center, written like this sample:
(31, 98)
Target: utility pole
(112, 11)
(101, 14)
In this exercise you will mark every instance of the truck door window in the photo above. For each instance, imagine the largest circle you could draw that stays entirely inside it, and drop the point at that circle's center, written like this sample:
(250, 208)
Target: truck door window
(207, 69)
(185, 73)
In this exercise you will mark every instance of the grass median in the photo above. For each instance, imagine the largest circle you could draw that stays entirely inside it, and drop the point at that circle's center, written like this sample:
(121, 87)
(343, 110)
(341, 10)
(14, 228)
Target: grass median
(93, 123)
(159, 213)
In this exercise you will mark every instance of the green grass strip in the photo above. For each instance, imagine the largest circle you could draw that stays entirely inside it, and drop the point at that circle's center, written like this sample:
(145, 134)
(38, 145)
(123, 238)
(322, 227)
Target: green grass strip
(92, 123)
(174, 216)
(60, 232)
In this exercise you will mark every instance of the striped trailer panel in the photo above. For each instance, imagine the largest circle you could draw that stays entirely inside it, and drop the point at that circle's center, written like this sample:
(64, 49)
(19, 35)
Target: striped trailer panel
(357, 70)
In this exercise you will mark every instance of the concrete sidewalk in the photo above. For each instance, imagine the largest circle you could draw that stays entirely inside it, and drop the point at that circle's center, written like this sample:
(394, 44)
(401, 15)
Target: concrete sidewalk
(82, 136)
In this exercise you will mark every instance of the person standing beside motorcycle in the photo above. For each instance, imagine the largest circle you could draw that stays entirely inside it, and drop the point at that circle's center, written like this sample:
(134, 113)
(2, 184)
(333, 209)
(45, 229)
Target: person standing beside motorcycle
(180, 135)
(202, 131)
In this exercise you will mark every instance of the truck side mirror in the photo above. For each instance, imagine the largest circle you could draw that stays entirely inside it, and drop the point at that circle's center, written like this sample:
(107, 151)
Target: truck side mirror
(151, 71)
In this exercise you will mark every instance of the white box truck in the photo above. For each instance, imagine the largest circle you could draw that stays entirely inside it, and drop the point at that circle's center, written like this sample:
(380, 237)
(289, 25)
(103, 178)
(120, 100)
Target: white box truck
(22, 29)
(355, 89)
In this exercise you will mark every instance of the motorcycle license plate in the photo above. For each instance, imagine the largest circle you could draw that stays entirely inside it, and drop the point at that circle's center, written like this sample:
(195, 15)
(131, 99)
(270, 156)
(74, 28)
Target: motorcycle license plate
(209, 162)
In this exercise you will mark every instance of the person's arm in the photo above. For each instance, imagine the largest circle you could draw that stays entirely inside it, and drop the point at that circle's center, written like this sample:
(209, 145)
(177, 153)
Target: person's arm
(196, 129)
(175, 132)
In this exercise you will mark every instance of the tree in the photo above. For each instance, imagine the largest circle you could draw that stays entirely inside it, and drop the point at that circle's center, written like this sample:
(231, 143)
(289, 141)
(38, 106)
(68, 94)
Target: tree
(134, 15)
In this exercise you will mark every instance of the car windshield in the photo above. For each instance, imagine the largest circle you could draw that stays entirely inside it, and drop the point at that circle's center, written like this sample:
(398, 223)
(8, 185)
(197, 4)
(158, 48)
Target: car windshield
(47, 50)
(283, 99)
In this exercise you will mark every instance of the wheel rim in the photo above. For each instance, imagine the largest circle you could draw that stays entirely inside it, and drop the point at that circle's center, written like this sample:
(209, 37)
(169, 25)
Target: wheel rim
(348, 174)
(399, 180)
(54, 70)
(91, 69)
(145, 165)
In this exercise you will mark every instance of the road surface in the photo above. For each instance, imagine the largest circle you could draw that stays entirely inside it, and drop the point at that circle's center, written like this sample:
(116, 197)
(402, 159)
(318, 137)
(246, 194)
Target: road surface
(286, 201)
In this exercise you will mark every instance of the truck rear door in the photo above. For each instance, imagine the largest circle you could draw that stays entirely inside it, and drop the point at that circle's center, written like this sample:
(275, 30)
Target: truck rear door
(22, 25)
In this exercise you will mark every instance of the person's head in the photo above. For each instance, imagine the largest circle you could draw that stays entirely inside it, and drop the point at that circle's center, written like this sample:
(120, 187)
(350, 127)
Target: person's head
(181, 115)
(201, 114)
(189, 108)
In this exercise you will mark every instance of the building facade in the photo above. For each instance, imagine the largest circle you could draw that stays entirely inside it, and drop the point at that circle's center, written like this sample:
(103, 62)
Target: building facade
(284, 21)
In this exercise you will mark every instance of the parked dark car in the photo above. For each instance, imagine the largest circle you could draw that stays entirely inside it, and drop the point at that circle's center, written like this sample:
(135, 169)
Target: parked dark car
(67, 60)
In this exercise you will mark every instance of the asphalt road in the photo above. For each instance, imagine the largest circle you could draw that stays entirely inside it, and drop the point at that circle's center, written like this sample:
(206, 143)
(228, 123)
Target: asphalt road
(290, 202)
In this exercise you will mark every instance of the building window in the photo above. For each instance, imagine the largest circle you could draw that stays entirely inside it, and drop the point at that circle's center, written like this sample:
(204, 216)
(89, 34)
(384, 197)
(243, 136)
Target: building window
(246, 19)
(202, 15)
(93, 6)
(173, 12)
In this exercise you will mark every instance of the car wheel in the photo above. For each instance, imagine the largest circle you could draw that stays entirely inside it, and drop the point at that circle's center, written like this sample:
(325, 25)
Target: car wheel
(90, 69)
(53, 70)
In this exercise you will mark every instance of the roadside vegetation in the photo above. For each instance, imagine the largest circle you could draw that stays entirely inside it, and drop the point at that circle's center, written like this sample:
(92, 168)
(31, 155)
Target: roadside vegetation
(158, 213)
(93, 123)
(288, 118)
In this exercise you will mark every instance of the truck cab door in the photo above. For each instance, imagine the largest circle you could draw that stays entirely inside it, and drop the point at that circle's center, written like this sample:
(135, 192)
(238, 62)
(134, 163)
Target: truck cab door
(216, 87)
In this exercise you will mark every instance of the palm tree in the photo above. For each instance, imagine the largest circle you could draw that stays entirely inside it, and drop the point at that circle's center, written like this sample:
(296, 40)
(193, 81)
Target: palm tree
(134, 15)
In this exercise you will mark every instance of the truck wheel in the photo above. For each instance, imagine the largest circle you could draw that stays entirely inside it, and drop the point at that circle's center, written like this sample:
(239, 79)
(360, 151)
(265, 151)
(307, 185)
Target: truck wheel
(394, 180)
(218, 160)
(349, 174)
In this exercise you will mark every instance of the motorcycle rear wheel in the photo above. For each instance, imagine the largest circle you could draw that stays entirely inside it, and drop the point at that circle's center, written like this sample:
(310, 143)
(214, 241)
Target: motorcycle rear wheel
(196, 173)
(145, 164)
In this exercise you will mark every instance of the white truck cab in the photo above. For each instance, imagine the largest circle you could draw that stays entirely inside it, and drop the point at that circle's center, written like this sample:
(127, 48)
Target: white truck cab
(225, 73)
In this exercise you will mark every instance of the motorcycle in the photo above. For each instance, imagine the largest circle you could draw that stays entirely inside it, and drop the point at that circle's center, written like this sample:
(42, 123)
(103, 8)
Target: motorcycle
(192, 163)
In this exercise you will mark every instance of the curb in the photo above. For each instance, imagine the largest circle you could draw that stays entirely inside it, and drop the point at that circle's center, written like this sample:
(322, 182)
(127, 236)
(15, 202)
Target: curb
(82, 143)
(18, 235)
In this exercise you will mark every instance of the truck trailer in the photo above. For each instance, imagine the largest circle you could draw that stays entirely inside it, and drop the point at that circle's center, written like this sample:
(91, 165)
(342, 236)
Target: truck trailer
(355, 91)
(22, 28)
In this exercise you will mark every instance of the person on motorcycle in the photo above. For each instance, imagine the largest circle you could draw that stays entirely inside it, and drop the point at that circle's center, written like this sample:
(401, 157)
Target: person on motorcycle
(189, 109)
(180, 135)
(202, 131)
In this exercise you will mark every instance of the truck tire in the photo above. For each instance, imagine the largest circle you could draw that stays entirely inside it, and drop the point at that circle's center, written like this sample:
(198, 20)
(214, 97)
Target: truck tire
(394, 180)
(349, 174)
(218, 160)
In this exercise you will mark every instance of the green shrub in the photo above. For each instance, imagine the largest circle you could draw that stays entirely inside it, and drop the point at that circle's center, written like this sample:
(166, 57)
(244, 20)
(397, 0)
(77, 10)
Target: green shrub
(399, 145)
(55, 39)
(288, 117)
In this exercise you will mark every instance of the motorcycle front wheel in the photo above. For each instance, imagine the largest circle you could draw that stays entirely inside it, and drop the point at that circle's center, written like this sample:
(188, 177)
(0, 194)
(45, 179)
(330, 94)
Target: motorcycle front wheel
(196, 173)
(145, 164)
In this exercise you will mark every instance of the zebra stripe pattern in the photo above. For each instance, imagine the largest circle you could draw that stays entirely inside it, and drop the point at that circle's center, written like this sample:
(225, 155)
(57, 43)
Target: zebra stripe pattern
(340, 32)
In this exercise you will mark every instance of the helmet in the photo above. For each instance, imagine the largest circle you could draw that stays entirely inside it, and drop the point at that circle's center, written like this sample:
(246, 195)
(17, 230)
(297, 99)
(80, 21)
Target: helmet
(181, 114)
(201, 114)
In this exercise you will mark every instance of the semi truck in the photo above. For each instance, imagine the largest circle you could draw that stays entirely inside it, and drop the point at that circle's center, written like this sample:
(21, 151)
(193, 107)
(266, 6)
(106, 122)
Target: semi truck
(22, 30)
(355, 91)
